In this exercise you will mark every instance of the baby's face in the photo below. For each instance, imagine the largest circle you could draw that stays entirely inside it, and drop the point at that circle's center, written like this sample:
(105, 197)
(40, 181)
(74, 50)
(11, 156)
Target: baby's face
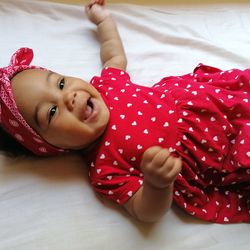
(66, 111)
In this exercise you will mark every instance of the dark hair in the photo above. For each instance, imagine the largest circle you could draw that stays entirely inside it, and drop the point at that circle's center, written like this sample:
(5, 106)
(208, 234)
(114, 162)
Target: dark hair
(10, 146)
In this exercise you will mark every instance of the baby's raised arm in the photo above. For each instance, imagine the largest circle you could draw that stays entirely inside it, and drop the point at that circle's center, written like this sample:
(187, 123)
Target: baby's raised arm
(160, 169)
(154, 198)
(112, 52)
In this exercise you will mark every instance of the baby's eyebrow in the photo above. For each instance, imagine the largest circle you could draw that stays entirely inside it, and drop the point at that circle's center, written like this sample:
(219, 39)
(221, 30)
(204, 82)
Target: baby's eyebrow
(37, 108)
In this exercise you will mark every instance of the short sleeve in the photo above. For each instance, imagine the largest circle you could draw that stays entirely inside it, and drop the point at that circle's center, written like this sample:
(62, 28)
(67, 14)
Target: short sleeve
(115, 184)
(109, 75)
(113, 72)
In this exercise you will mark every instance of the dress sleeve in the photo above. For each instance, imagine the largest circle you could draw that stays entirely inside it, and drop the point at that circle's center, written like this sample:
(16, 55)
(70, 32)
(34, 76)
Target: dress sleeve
(109, 72)
(114, 183)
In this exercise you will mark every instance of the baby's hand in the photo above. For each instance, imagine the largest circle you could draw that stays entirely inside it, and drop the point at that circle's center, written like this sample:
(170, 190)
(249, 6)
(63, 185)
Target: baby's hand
(95, 11)
(159, 168)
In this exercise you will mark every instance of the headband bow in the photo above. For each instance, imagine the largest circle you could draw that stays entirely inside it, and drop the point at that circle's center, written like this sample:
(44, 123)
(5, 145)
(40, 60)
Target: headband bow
(10, 118)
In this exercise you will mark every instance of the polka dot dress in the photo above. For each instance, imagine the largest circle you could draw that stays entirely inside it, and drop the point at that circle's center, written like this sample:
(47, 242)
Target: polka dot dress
(203, 117)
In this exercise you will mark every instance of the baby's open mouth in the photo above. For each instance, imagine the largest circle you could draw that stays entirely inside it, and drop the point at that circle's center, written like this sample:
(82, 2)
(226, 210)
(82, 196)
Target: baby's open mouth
(89, 109)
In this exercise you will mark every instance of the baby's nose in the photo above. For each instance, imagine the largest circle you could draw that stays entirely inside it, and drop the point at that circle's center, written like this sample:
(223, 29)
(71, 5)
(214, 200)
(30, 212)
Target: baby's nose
(69, 99)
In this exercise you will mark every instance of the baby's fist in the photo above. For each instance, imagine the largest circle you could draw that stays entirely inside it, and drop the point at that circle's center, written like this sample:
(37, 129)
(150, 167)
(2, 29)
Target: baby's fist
(95, 12)
(160, 169)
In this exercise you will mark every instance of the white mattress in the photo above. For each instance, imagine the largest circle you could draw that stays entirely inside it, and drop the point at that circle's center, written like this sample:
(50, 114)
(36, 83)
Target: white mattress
(48, 203)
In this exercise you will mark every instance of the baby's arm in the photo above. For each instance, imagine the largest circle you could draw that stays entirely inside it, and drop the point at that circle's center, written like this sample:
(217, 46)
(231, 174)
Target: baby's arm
(112, 52)
(154, 198)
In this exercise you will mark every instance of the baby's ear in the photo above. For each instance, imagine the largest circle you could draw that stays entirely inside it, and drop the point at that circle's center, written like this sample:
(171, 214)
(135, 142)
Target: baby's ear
(23, 56)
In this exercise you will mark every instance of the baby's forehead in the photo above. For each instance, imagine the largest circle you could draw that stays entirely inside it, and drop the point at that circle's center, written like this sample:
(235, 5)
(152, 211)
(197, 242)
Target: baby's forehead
(30, 73)
(27, 79)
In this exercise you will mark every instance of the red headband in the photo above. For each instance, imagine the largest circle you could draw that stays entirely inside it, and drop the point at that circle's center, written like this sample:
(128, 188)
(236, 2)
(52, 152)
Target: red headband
(10, 118)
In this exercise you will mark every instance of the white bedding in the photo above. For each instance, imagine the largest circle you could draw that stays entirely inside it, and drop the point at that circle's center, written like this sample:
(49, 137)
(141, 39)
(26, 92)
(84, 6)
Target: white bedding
(48, 203)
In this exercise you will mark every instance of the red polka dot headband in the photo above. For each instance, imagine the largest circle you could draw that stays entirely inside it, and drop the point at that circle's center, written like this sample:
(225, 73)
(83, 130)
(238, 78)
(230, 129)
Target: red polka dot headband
(10, 118)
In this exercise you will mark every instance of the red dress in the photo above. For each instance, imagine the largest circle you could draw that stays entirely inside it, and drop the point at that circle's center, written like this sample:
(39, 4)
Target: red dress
(203, 117)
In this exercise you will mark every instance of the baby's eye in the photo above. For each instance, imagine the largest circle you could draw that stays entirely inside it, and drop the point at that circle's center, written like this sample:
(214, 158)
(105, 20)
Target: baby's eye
(52, 112)
(61, 83)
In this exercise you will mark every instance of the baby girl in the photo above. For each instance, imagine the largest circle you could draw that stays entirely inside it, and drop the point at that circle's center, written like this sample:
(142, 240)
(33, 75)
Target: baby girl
(186, 138)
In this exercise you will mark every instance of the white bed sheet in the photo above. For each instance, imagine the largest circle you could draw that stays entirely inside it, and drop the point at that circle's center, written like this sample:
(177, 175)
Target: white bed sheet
(48, 203)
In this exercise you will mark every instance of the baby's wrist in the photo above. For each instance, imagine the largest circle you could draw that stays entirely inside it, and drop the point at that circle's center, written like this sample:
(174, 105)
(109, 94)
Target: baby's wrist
(157, 186)
(104, 17)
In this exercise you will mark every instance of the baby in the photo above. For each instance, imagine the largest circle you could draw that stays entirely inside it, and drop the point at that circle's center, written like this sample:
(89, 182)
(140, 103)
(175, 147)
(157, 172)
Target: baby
(185, 138)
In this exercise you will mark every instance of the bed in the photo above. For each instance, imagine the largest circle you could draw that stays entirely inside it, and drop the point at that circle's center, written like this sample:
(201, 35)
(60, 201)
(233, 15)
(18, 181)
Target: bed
(49, 203)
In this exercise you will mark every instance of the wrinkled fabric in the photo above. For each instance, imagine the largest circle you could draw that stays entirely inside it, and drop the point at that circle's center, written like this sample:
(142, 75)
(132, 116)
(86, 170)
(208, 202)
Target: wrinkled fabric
(201, 117)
